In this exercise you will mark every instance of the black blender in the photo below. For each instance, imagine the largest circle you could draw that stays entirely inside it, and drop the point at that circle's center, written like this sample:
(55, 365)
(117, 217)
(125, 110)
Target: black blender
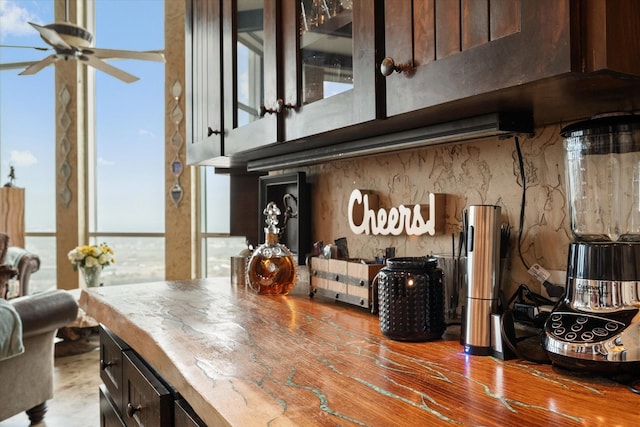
(596, 324)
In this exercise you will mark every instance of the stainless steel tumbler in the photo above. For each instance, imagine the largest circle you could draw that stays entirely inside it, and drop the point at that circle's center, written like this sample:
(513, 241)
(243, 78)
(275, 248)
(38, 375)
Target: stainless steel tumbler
(483, 263)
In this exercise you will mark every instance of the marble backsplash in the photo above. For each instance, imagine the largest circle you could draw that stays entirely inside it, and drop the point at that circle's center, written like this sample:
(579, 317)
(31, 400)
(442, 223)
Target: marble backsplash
(483, 171)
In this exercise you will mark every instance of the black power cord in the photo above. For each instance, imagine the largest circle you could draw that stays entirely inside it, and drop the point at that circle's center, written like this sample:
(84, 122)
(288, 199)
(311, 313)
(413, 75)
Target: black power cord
(553, 290)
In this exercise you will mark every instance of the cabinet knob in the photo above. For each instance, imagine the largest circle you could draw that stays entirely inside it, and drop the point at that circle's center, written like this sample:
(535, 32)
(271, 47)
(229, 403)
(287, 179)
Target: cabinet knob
(212, 132)
(131, 410)
(280, 107)
(388, 66)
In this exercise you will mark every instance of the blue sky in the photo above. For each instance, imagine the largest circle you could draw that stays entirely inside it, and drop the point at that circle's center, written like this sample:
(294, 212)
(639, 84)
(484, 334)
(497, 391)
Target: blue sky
(129, 125)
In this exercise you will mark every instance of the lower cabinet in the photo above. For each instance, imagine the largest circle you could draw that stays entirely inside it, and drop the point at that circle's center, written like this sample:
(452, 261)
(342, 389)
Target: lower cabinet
(133, 394)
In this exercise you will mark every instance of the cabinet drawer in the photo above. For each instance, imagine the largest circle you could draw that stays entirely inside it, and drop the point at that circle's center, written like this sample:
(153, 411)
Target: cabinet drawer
(147, 401)
(111, 350)
(108, 411)
(184, 416)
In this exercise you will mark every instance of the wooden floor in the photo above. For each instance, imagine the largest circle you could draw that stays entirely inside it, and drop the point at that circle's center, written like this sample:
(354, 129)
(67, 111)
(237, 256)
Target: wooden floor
(75, 402)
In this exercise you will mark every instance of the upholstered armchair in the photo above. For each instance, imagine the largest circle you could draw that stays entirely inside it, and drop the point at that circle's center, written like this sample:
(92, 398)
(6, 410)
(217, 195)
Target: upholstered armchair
(27, 377)
(24, 262)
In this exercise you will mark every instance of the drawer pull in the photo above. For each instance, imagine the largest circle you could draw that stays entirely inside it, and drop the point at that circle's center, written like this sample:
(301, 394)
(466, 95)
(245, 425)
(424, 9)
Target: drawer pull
(104, 365)
(131, 410)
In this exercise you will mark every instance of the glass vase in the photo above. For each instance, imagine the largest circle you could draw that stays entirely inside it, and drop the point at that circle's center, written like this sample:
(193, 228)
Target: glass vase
(91, 275)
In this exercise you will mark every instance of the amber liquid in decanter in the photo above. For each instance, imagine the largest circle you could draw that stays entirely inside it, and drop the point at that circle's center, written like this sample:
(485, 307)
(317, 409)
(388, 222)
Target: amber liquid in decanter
(272, 269)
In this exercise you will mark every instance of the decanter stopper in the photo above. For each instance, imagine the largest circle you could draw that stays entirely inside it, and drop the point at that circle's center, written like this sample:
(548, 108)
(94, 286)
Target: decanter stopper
(271, 212)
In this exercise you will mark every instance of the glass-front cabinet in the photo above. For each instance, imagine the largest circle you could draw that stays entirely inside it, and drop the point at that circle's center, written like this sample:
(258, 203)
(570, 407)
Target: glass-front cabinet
(325, 44)
(250, 55)
(289, 69)
(267, 72)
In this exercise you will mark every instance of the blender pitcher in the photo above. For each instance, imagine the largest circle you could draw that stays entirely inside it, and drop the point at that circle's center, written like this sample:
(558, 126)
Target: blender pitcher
(603, 176)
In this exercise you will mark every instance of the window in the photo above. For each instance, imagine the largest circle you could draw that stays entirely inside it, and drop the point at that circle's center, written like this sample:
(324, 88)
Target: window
(128, 209)
(27, 129)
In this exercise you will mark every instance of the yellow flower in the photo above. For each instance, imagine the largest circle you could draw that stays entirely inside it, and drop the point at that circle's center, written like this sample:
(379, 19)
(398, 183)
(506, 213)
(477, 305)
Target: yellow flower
(91, 256)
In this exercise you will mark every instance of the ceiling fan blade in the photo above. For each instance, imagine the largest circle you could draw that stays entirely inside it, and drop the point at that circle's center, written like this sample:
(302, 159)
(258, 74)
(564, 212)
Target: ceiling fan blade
(151, 55)
(25, 47)
(51, 37)
(34, 68)
(16, 65)
(109, 69)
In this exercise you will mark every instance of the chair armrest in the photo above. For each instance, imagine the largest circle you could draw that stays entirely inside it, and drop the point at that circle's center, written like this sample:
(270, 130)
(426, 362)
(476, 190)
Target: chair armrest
(46, 311)
(25, 262)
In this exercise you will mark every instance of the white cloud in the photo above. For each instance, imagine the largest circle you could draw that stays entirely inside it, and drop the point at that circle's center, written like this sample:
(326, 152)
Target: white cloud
(13, 19)
(103, 161)
(22, 158)
(144, 132)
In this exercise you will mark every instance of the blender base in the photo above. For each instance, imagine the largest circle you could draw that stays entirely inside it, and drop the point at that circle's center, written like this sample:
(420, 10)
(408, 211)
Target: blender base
(593, 366)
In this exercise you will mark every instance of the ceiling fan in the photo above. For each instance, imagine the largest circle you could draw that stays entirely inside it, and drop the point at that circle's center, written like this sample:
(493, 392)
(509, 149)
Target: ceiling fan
(72, 42)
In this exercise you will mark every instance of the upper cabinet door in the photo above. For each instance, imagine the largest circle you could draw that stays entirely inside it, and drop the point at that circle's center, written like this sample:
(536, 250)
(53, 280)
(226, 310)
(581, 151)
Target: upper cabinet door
(447, 50)
(329, 65)
(251, 52)
(204, 87)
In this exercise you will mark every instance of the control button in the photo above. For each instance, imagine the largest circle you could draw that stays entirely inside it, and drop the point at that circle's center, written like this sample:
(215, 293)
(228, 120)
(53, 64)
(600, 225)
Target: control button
(610, 326)
(559, 331)
(556, 325)
(582, 320)
(556, 317)
(601, 332)
(576, 327)
(571, 336)
(587, 336)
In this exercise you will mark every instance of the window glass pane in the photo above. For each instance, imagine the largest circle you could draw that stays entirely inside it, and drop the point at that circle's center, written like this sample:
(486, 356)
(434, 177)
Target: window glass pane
(27, 129)
(27, 112)
(130, 171)
(138, 260)
(45, 278)
(326, 48)
(219, 253)
(250, 52)
(216, 202)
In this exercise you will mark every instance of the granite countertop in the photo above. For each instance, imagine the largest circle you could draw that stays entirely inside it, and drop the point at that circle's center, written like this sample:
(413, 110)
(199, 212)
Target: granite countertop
(244, 359)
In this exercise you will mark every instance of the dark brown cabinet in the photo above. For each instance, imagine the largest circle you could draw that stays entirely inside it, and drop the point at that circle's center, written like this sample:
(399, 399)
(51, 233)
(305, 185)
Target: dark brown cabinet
(446, 51)
(251, 51)
(329, 65)
(133, 394)
(301, 76)
(479, 56)
(286, 70)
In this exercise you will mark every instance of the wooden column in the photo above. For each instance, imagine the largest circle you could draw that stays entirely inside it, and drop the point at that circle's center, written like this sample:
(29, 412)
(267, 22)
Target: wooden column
(180, 197)
(12, 214)
(74, 135)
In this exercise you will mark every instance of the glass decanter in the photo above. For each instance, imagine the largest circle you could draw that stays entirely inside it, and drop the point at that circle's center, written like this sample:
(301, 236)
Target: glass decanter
(272, 269)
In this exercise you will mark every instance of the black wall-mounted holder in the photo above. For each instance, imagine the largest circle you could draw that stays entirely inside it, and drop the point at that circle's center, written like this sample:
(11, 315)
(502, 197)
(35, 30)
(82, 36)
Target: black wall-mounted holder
(289, 190)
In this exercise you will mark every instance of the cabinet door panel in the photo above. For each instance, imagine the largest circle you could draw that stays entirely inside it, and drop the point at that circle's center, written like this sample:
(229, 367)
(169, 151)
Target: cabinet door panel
(518, 42)
(323, 50)
(251, 49)
(204, 100)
